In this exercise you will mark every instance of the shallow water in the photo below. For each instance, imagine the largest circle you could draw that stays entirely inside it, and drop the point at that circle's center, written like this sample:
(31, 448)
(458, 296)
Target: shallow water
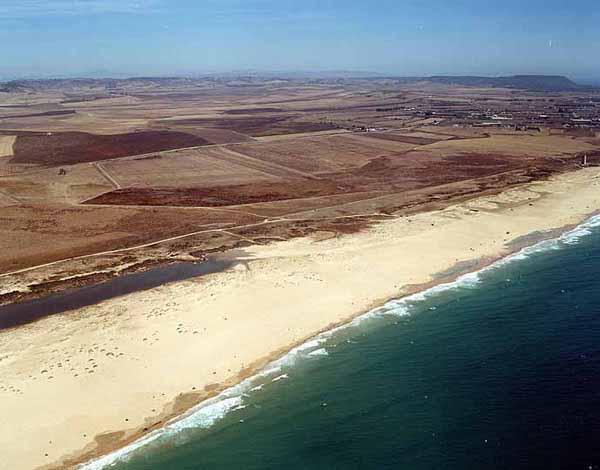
(21, 313)
(500, 369)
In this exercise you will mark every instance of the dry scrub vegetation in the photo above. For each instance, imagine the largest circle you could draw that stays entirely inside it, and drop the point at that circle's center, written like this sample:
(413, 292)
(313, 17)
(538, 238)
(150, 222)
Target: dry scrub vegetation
(84, 169)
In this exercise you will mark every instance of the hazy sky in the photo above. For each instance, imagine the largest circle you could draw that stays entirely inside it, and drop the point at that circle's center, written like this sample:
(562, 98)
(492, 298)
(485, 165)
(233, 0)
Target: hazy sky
(404, 37)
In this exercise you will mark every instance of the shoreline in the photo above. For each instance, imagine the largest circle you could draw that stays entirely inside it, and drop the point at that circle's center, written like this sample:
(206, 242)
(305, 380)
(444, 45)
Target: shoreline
(297, 266)
(115, 453)
(21, 313)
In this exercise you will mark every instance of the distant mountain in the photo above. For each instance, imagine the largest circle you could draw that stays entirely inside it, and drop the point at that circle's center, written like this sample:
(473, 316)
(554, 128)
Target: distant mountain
(89, 83)
(12, 87)
(523, 82)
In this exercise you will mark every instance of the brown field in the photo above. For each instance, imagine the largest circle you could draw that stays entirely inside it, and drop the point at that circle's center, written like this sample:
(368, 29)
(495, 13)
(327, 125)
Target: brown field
(256, 126)
(215, 136)
(405, 138)
(323, 153)
(253, 110)
(168, 170)
(76, 147)
(525, 145)
(34, 234)
(62, 112)
(208, 167)
(430, 136)
(221, 195)
(46, 185)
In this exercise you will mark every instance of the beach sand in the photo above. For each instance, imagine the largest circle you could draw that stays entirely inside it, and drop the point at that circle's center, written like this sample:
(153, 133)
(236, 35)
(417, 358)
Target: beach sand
(75, 385)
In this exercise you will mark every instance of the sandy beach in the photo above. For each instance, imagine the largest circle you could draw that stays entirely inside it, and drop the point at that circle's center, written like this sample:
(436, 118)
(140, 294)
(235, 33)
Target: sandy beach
(79, 384)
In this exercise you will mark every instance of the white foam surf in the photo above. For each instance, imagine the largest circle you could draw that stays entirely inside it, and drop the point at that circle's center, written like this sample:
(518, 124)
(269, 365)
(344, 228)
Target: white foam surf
(207, 415)
(318, 352)
(583, 230)
(280, 377)
(211, 411)
(203, 416)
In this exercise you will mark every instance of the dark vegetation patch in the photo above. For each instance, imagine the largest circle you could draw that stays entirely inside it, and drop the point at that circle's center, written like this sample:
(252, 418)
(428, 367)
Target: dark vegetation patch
(249, 125)
(258, 126)
(301, 126)
(253, 111)
(17, 133)
(425, 169)
(149, 157)
(402, 138)
(76, 147)
(221, 196)
(87, 98)
(62, 112)
(416, 170)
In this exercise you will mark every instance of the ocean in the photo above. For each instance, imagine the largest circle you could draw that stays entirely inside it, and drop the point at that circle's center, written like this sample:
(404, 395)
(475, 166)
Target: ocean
(497, 370)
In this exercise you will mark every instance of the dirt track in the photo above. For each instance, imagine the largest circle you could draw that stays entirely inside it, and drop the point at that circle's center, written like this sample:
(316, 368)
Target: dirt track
(178, 172)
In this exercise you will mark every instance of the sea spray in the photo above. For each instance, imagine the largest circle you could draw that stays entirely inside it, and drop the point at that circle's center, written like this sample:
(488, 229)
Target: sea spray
(318, 352)
(210, 411)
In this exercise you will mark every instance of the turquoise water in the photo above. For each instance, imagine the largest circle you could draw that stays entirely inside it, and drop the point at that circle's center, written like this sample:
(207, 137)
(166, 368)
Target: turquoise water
(498, 370)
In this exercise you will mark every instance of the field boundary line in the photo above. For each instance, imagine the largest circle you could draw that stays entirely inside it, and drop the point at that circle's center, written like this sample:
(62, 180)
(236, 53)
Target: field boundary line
(248, 161)
(104, 172)
(12, 198)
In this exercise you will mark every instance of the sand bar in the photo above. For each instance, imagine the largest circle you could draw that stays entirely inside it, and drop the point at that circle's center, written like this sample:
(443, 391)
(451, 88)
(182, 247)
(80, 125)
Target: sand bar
(128, 363)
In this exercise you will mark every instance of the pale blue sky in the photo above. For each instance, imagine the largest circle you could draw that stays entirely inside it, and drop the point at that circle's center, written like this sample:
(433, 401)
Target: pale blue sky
(401, 37)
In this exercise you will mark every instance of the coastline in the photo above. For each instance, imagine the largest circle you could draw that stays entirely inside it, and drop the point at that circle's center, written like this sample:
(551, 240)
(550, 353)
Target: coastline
(17, 314)
(229, 395)
(302, 280)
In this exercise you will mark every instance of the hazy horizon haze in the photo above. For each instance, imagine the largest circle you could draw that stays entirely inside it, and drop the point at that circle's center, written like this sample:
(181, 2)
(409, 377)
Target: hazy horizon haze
(409, 38)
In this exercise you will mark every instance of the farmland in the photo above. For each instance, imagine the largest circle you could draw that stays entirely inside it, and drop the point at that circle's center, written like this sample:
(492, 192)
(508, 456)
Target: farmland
(52, 149)
(148, 171)
(6, 145)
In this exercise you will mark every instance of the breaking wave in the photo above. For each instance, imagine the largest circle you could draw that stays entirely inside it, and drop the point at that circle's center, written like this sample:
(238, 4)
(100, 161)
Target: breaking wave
(210, 411)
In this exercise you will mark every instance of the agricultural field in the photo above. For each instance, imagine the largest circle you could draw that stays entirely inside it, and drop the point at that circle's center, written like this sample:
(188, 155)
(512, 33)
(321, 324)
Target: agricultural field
(517, 145)
(6, 145)
(49, 185)
(193, 167)
(63, 148)
(159, 170)
(323, 153)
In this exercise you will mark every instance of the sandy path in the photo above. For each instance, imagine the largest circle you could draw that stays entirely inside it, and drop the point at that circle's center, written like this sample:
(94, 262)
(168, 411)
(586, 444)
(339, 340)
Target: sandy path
(122, 364)
(105, 174)
(6, 145)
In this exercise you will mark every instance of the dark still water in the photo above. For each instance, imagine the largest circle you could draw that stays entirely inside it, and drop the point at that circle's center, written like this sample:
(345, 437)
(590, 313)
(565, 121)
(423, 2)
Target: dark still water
(500, 370)
(21, 313)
